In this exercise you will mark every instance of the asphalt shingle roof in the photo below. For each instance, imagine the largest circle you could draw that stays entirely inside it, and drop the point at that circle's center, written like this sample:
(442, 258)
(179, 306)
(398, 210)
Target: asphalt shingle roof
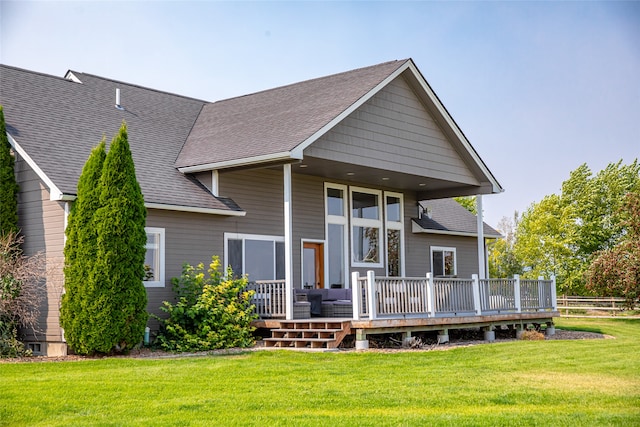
(448, 216)
(276, 120)
(58, 121)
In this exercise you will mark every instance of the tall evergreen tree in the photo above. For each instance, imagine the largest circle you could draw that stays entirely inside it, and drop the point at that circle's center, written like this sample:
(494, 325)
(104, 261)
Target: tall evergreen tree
(119, 306)
(80, 253)
(8, 185)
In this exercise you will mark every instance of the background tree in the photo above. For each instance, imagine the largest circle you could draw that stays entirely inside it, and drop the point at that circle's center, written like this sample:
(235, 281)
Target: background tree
(503, 261)
(616, 271)
(80, 253)
(560, 234)
(8, 185)
(120, 299)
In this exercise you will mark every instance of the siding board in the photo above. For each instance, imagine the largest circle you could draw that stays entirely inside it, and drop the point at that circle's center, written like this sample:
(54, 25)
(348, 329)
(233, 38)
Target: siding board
(394, 131)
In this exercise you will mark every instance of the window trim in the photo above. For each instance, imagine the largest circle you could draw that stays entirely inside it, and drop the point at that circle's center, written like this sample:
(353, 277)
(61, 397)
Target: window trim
(394, 225)
(243, 237)
(161, 249)
(455, 259)
(368, 223)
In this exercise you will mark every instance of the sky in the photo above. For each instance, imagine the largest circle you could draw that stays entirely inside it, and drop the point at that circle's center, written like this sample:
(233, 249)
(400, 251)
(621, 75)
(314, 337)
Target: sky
(538, 88)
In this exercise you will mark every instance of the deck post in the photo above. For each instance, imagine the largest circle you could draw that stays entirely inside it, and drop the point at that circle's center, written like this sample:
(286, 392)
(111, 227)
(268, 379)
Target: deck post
(476, 294)
(481, 249)
(371, 295)
(443, 336)
(362, 343)
(516, 293)
(541, 293)
(554, 295)
(288, 242)
(356, 295)
(430, 295)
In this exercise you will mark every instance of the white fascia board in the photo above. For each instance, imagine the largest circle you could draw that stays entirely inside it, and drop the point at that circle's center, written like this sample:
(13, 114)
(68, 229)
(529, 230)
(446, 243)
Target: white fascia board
(194, 209)
(297, 151)
(415, 228)
(54, 191)
(453, 126)
(247, 161)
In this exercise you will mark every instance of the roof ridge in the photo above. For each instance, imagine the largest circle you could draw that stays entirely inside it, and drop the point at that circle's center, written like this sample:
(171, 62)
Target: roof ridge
(137, 86)
(399, 61)
(25, 70)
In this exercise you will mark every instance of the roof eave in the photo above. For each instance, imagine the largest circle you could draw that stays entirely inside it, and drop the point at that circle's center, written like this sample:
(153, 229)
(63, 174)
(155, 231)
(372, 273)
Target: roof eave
(284, 156)
(54, 191)
(416, 228)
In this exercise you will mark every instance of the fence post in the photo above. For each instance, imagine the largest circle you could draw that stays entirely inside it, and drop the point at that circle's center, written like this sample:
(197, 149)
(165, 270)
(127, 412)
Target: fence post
(356, 295)
(476, 294)
(431, 305)
(516, 293)
(371, 295)
(554, 296)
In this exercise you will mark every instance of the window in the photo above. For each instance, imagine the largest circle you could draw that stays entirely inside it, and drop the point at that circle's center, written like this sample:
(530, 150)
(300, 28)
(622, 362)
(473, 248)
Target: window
(443, 261)
(337, 250)
(154, 258)
(366, 226)
(259, 257)
(394, 225)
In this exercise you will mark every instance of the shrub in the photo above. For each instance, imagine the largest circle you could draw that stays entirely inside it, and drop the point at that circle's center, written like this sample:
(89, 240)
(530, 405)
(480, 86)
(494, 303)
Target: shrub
(21, 292)
(211, 312)
(532, 335)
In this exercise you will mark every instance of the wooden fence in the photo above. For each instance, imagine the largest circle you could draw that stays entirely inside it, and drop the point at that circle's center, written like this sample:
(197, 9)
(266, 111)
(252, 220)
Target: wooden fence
(612, 305)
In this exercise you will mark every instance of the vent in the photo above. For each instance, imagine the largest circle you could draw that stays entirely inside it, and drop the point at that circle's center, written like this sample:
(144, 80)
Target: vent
(118, 105)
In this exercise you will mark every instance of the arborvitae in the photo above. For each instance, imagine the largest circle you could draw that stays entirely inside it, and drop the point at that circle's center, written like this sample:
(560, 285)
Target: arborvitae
(8, 185)
(80, 252)
(120, 300)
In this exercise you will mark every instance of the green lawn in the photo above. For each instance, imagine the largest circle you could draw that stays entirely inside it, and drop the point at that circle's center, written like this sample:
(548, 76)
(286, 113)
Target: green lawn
(555, 383)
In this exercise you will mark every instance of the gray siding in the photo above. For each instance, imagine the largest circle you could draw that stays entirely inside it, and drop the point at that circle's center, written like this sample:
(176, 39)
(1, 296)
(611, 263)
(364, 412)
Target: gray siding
(393, 131)
(42, 223)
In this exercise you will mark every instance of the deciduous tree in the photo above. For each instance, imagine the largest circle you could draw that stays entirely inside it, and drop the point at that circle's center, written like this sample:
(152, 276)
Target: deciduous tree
(616, 271)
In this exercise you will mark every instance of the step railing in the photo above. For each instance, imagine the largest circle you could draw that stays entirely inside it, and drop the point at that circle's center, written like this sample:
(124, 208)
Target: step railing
(269, 298)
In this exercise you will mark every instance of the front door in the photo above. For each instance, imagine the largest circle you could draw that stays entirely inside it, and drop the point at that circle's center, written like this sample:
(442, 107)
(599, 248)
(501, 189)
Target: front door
(312, 265)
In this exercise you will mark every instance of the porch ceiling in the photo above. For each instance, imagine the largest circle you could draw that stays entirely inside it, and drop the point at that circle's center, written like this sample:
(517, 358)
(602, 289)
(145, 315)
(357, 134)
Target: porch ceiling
(425, 187)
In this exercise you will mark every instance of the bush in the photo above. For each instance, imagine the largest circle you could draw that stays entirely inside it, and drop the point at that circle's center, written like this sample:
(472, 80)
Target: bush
(212, 312)
(532, 335)
(21, 292)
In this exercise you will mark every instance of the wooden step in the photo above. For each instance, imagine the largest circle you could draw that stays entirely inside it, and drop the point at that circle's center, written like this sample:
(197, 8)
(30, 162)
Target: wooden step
(302, 334)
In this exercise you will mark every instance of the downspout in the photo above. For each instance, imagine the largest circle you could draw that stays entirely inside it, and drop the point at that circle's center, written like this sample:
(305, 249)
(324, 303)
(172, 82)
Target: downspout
(481, 247)
(288, 243)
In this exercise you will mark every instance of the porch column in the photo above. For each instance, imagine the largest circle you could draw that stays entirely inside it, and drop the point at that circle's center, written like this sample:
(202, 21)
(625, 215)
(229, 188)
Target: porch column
(481, 262)
(288, 243)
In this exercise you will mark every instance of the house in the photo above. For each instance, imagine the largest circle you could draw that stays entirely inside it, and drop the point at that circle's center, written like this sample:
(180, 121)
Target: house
(303, 185)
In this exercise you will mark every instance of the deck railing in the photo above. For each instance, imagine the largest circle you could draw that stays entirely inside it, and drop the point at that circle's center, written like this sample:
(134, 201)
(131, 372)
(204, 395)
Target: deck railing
(404, 297)
(449, 297)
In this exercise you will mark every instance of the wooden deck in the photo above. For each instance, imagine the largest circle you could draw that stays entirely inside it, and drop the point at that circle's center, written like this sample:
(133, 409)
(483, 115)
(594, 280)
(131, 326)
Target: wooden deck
(328, 333)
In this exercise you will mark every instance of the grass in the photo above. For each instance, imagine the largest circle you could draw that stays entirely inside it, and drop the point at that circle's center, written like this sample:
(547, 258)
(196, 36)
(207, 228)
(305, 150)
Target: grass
(555, 383)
